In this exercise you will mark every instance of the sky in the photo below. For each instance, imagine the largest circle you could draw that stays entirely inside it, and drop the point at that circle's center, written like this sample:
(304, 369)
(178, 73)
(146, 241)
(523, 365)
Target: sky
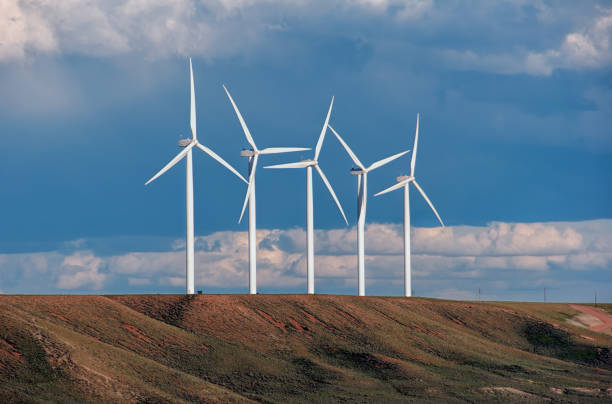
(515, 144)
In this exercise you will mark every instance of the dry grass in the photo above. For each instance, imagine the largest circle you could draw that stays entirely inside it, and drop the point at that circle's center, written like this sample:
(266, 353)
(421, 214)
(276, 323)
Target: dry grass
(295, 348)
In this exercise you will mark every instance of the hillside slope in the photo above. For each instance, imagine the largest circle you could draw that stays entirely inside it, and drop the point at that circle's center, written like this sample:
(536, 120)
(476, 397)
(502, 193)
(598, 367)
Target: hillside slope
(296, 348)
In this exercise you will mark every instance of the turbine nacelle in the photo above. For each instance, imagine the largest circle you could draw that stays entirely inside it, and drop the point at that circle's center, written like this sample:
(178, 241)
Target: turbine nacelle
(358, 171)
(405, 178)
(247, 153)
(184, 142)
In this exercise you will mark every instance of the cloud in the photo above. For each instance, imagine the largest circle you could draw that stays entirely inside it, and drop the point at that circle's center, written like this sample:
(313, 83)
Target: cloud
(81, 270)
(401, 9)
(226, 28)
(23, 31)
(587, 48)
(591, 47)
(521, 253)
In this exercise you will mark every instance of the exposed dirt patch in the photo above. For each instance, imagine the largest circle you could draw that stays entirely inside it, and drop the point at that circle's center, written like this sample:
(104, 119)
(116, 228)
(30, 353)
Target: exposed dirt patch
(584, 390)
(278, 324)
(312, 318)
(592, 318)
(136, 332)
(9, 350)
(511, 391)
(348, 315)
(302, 330)
(59, 316)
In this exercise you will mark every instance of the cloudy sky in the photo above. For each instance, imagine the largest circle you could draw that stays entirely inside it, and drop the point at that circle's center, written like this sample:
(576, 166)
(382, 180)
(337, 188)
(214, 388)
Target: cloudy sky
(515, 144)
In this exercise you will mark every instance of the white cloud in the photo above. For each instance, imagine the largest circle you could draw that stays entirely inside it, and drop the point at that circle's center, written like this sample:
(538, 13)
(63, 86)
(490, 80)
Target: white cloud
(223, 28)
(81, 270)
(591, 46)
(587, 48)
(158, 28)
(404, 9)
(22, 31)
(529, 252)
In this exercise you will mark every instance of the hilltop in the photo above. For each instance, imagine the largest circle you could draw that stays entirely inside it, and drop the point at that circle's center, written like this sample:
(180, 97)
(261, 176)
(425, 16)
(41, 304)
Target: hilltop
(299, 348)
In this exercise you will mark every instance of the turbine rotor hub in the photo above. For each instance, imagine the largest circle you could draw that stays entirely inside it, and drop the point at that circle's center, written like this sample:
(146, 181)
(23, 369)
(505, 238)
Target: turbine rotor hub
(247, 152)
(184, 142)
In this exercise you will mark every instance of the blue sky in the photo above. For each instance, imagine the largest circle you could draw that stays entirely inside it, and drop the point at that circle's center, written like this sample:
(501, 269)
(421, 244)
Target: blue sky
(515, 102)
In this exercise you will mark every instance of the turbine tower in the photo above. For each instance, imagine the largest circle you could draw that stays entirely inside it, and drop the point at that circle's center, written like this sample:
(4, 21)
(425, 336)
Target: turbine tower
(253, 155)
(404, 182)
(361, 172)
(188, 145)
(308, 164)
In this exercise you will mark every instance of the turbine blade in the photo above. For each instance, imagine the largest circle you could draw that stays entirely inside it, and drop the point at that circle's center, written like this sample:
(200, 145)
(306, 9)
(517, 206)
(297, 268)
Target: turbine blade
(414, 149)
(220, 160)
(384, 161)
(331, 191)
(299, 164)
(245, 129)
(192, 115)
(276, 150)
(393, 187)
(362, 200)
(246, 200)
(251, 177)
(428, 201)
(347, 148)
(322, 135)
(171, 163)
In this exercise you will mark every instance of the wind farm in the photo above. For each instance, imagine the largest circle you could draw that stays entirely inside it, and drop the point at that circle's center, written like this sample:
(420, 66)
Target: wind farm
(253, 153)
(305, 202)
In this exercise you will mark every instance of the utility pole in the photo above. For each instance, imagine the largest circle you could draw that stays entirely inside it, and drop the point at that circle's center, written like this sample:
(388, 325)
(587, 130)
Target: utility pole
(595, 297)
(544, 295)
(478, 294)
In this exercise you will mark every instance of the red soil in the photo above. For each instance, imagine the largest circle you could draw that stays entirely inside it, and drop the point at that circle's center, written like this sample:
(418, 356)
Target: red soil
(9, 350)
(59, 316)
(601, 315)
(136, 332)
(278, 324)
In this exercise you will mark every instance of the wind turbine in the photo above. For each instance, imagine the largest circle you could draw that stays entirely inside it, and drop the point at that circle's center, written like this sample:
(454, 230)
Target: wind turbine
(188, 145)
(253, 155)
(404, 182)
(361, 172)
(308, 164)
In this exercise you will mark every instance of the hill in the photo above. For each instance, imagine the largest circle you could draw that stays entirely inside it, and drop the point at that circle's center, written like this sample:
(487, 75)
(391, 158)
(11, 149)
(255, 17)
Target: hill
(298, 348)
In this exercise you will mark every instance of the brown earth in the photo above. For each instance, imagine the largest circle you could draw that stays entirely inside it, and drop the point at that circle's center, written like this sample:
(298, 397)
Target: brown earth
(603, 320)
(296, 348)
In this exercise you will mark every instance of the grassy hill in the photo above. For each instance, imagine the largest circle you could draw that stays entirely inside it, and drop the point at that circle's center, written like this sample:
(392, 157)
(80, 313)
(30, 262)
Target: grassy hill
(296, 348)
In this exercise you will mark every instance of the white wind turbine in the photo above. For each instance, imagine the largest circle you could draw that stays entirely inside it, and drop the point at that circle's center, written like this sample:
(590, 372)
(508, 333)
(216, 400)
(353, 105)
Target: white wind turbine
(308, 164)
(361, 172)
(189, 144)
(253, 155)
(404, 182)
